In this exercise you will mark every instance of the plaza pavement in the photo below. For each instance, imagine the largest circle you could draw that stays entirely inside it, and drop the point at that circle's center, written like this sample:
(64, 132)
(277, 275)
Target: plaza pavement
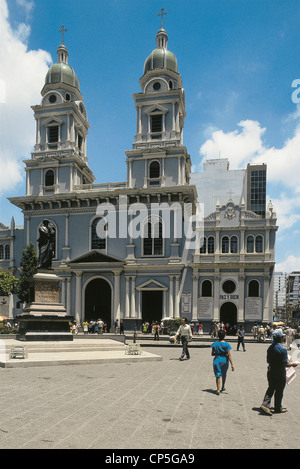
(165, 404)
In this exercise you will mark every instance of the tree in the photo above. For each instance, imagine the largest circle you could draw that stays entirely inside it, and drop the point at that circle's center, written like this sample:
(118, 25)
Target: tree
(29, 264)
(8, 284)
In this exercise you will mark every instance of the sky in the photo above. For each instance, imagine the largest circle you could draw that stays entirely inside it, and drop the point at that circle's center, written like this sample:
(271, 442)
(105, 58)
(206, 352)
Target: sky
(240, 65)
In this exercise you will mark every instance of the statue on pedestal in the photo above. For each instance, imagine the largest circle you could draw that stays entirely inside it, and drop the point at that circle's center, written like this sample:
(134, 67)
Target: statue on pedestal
(46, 242)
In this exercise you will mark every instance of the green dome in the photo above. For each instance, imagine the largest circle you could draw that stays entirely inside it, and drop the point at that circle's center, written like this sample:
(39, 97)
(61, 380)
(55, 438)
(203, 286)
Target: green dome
(62, 73)
(161, 58)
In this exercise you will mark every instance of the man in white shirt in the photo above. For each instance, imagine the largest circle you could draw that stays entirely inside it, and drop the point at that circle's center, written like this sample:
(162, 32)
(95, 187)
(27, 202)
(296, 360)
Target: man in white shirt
(186, 336)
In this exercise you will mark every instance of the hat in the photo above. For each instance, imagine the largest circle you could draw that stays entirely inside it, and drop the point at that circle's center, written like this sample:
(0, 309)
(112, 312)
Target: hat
(278, 333)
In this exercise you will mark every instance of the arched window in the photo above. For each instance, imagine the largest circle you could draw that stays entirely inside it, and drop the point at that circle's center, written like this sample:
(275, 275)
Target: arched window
(259, 243)
(153, 237)
(49, 178)
(225, 244)
(203, 245)
(154, 170)
(98, 234)
(7, 251)
(234, 244)
(211, 245)
(250, 243)
(253, 288)
(1, 251)
(206, 288)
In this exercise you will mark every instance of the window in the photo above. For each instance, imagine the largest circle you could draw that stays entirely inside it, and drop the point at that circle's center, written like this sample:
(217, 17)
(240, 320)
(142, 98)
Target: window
(7, 251)
(225, 244)
(49, 178)
(229, 286)
(153, 238)
(203, 246)
(250, 244)
(234, 244)
(52, 98)
(154, 170)
(211, 245)
(259, 243)
(98, 240)
(53, 133)
(206, 288)
(255, 244)
(253, 288)
(156, 126)
(258, 191)
(80, 141)
(1, 252)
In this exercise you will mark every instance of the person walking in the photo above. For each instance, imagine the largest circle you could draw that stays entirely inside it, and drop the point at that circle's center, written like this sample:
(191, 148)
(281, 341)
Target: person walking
(186, 336)
(156, 331)
(222, 357)
(241, 338)
(277, 359)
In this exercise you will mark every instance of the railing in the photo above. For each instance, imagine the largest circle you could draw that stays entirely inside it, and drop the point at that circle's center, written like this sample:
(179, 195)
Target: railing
(107, 186)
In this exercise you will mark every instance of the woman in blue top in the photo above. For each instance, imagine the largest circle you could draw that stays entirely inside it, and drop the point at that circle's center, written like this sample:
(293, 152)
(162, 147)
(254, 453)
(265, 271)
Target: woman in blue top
(222, 356)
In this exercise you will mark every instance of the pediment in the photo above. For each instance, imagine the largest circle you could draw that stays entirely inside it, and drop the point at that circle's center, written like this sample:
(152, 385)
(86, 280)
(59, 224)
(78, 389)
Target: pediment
(53, 121)
(156, 109)
(95, 256)
(152, 285)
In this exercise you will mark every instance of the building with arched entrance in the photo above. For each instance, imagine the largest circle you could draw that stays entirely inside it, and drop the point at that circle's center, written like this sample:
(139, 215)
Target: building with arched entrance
(136, 250)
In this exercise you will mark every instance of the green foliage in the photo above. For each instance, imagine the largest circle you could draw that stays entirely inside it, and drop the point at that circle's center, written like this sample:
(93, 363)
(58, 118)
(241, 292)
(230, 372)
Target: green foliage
(4, 329)
(29, 264)
(8, 284)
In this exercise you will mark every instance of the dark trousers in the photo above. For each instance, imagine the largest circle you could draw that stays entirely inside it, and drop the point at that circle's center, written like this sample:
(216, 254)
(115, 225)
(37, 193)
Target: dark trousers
(241, 340)
(185, 349)
(277, 382)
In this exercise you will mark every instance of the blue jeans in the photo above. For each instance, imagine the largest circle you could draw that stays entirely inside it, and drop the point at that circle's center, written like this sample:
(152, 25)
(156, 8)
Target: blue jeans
(241, 340)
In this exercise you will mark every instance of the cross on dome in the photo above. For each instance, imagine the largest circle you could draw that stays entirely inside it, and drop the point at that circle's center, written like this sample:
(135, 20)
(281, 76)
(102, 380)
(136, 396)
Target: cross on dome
(62, 31)
(163, 12)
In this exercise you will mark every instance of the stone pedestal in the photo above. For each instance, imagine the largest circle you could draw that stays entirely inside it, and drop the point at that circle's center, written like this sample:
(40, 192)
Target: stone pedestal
(44, 317)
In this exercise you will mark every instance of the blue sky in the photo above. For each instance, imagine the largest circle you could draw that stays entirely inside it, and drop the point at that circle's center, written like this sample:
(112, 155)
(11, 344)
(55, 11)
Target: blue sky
(237, 59)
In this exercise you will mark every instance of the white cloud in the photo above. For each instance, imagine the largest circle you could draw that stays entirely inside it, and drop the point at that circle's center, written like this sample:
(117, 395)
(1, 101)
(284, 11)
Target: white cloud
(239, 147)
(22, 74)
(291, 264)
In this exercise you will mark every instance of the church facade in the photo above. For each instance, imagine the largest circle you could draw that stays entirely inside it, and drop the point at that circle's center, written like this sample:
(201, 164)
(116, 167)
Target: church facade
(146, 248)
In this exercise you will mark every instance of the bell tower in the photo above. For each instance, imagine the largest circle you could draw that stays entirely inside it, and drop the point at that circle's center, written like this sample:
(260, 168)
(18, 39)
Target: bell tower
(59, 160)
(158, 157)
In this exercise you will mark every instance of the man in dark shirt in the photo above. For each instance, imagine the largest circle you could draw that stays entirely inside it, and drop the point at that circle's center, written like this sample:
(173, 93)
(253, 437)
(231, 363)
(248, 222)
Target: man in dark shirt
(277, 359)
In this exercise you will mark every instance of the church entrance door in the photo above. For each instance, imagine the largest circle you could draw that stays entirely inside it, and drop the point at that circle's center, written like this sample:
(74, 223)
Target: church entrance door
(228, 315)
(98, 301)
(152, 304)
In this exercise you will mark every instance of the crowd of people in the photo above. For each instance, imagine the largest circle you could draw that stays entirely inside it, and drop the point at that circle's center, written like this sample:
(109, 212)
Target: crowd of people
(96, 327)
(261, 332)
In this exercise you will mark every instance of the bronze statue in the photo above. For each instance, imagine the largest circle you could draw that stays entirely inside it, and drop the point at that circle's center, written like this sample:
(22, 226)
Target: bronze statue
(46, 244)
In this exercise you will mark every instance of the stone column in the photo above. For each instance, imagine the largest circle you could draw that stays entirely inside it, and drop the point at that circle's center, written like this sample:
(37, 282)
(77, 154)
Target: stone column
(117, 296)
(68, 305)
(132, 305)
(171, 301)
(216, 297)
(177, 299)
(241, 305)
(127, 297)
(63, 292)
(195, 297)
(78, 297)
(266, 305)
